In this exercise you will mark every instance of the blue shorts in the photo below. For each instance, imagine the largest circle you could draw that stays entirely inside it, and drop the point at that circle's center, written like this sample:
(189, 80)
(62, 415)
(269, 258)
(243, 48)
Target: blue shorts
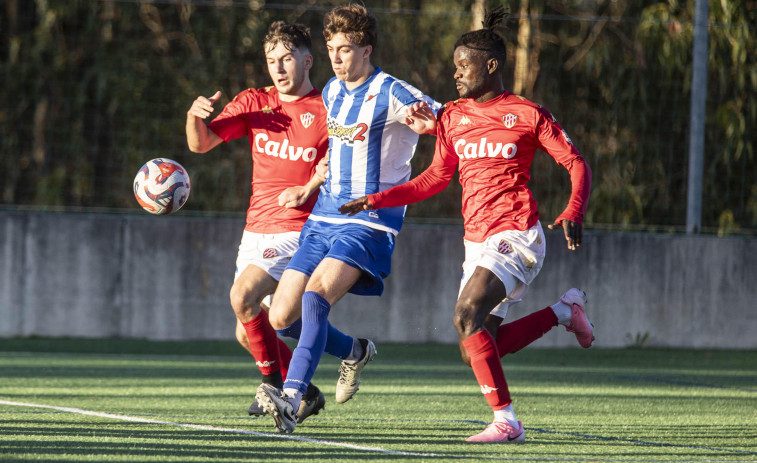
(358, 246)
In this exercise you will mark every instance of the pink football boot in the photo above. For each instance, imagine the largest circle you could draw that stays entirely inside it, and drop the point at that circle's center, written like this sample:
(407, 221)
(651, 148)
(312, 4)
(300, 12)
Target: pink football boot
(500, 431)
(579, 324)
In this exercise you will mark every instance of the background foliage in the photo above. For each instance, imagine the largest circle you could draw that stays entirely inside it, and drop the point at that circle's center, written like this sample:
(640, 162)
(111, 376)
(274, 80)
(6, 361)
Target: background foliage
(94, 88)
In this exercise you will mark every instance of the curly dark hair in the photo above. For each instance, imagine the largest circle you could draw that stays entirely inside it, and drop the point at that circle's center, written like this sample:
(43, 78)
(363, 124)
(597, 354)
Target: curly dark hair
(354, 21)
(290, 35)
(487, 40)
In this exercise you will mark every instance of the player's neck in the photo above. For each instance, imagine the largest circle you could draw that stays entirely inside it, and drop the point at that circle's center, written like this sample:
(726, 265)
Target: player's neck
(358, 80)
(304, 89)
(490, 94)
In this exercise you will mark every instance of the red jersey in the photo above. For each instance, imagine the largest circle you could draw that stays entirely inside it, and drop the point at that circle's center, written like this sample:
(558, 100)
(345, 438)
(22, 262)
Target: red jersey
(493, 145)
(287, 139)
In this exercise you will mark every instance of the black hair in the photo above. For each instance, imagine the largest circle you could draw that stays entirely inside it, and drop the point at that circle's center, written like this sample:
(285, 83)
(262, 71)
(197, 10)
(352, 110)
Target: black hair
(487, 40)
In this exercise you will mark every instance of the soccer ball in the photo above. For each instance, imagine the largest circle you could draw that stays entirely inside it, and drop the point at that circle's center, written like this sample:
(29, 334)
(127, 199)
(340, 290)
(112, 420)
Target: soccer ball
(161, 186)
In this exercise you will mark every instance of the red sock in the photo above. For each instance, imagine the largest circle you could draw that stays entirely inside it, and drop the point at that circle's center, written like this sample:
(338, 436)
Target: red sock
(264, 343)
(484, 359)
(512, 337)
(286, 356)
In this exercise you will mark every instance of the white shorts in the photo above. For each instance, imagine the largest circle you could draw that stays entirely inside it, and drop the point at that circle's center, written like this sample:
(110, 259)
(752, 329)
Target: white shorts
(270, 252)
(514, 256)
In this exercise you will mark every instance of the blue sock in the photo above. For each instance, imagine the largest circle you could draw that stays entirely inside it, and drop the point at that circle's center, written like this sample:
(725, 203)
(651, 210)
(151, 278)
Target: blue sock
(310, 348)
(292, 331)
(338, 344)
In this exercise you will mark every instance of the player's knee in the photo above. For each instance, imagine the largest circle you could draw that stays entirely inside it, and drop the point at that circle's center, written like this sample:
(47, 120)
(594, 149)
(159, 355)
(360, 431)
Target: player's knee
(244, 304)
(277, 317)
(468, 317)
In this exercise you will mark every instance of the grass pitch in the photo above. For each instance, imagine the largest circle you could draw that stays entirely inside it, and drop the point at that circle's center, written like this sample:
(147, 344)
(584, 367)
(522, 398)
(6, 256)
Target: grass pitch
(138, 401)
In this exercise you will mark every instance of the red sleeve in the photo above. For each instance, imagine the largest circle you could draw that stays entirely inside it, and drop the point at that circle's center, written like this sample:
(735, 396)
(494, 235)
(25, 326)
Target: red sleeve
(430, 182)
(555, 142)
(230, 123)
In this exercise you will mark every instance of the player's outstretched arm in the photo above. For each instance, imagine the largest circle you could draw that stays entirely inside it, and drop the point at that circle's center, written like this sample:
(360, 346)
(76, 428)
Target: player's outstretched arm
(421, 119)
(295, 196)
(199, 138)
(355, 206)
(573, 232)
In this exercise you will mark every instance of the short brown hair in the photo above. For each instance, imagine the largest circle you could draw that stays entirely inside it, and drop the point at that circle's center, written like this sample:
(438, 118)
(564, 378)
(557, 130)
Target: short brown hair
(354, 21)
(290, 35)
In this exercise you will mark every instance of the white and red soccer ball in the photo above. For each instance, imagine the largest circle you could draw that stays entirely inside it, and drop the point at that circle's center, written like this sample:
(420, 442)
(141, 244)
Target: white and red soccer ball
(161, 186)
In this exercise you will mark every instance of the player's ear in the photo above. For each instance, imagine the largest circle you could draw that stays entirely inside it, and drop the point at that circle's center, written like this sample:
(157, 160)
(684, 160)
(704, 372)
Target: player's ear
(308, 62)
(367, 50)
(492, 65)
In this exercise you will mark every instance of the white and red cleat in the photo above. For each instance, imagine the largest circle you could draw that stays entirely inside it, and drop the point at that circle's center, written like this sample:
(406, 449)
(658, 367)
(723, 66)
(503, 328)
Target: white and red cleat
(579, 324)
(500, 431)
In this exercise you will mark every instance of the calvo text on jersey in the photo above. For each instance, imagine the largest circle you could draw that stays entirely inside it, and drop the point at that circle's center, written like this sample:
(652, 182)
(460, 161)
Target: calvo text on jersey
(484, 149)
(283, 149)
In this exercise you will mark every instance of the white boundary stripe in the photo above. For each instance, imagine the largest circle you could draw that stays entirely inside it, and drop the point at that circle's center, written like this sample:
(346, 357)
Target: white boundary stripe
(227, 430)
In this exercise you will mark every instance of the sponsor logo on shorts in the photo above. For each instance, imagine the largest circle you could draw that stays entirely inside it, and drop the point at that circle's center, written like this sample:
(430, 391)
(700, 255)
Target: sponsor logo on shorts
(270, 253)
(504, 247)
(265, 364)
(307, 119)
(487, 389)
(509, 120)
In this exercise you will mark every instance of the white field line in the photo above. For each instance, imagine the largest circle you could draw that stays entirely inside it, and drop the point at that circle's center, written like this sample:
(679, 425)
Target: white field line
(135, 419)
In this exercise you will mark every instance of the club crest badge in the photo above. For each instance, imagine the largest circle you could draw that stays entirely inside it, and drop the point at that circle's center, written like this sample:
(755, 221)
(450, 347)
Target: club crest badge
(307, 119)
(270, 253)
(504, 247)
(509, 120)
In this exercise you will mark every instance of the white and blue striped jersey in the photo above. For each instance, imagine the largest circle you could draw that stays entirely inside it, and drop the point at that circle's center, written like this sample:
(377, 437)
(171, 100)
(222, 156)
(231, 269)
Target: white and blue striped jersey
(370, 147)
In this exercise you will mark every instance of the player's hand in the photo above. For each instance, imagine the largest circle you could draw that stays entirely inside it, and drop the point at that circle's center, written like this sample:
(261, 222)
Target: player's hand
(420, 118)
(203, 107)
(355, 206)
(294, 196)
(322, 168)
(573, 232)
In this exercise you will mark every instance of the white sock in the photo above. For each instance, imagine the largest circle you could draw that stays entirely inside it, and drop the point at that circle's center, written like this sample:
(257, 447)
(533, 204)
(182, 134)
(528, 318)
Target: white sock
(357, 351)
(563, 312)
(294, 397)
(506, 414)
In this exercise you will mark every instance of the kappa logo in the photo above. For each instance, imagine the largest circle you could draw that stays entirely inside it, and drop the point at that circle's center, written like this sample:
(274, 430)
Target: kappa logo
(465, 120)
(266, 110)
(504, 247)
(487, 389)
(270, 253)
(265, 364)
(509, 120)
(307, 119)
